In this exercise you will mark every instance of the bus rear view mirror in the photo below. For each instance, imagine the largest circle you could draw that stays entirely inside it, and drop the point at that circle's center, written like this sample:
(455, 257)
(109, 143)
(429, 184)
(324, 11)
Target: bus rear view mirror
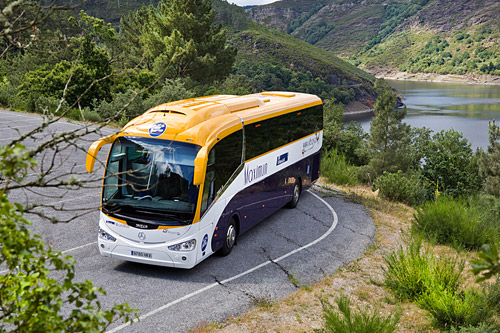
(200, 165)
(94, 149)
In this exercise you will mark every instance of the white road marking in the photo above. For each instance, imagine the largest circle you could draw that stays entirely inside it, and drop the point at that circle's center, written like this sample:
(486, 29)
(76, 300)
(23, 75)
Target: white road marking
(79, 247)
(64, 252)
(210, 286)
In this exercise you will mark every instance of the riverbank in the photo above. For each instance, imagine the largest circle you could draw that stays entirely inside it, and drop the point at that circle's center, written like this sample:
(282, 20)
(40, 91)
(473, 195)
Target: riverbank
(434, 77)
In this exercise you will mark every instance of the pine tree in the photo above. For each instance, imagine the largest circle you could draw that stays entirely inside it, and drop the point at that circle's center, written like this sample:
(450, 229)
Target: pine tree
(389, 137)
(489, 162)
(180, 40)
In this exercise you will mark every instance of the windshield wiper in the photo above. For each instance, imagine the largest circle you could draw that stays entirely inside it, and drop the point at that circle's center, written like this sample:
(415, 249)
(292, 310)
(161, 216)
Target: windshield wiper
(159, 212)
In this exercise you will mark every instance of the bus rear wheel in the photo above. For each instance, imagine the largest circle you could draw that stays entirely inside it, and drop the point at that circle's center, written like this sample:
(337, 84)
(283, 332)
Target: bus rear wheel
(296, 196)
(230, 238)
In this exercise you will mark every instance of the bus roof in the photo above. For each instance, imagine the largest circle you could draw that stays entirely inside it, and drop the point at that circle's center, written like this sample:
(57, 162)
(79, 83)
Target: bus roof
(202, 120)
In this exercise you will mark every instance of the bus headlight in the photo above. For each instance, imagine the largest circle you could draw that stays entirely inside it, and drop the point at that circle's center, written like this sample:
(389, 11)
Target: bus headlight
(184, 246)
(104, 235)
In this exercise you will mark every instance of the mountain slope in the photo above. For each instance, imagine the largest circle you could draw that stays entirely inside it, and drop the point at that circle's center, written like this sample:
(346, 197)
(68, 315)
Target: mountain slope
(258, 44)
(406, 35)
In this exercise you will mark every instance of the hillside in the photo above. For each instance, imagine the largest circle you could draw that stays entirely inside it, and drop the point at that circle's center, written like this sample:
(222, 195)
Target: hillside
(451, 36)
(294, 59)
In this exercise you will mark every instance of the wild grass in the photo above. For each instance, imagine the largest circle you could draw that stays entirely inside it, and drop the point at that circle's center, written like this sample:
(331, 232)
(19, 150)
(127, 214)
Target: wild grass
(336, 169)
(413, 271)
(362, 321)
(455, 223)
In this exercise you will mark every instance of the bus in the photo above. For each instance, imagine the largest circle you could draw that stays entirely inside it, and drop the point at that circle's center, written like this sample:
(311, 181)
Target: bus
(187, 178)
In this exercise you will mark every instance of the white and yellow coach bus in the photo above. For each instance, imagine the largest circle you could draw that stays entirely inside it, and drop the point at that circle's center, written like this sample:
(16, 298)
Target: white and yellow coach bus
(187, 178)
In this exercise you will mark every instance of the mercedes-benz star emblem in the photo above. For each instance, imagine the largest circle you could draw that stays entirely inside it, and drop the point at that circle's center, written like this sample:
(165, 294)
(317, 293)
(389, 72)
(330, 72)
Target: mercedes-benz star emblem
(142, 236)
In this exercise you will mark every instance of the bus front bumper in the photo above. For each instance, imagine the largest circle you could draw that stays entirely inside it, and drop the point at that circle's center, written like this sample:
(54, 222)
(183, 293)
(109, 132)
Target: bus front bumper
(160, 256)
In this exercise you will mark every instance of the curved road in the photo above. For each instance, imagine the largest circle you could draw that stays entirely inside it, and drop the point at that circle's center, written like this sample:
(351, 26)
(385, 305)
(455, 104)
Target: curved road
(289, 249)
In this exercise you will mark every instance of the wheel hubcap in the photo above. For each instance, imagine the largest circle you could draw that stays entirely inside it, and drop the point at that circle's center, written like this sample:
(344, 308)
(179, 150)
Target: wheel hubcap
(296, 193)
(231, 236)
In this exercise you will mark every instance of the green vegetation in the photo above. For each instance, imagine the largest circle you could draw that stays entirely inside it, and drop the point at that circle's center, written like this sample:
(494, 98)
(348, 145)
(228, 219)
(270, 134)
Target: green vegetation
(337, 169)
(40, 281)
(362, 321)
(401, 187)
(414, 271)
(456, 223)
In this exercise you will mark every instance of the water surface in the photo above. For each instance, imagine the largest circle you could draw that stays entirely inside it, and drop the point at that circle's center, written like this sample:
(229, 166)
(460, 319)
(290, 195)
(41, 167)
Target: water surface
(440, 106)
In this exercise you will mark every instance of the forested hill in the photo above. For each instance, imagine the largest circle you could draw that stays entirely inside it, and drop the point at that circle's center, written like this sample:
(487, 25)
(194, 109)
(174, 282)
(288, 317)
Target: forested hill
(443, 36)
(271, 59)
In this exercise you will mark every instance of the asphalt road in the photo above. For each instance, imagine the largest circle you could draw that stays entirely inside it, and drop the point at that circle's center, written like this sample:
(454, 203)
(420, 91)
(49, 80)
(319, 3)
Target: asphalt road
(303, 244)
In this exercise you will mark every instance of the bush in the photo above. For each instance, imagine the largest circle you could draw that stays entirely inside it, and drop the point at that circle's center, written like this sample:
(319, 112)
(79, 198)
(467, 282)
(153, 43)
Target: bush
(363, 321)
(401, 187)
(92, 116)
(413, 271)
(451, 309)
(453, 222)
(337, 170)
(108, 110)
(172, 90)
(481, 328)
(451, 165)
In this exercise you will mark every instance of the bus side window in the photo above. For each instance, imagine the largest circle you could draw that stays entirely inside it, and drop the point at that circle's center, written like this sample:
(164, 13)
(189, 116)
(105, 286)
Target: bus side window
(209, 185)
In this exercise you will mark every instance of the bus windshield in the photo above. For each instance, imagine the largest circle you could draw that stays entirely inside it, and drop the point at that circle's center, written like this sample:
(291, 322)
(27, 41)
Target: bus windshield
(151, 180)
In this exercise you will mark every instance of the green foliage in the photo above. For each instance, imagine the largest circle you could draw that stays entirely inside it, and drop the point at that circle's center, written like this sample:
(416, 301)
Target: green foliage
(450, 164)
(347, 140)
(481, 328)
(452, 309)
(362, 321)
(336, 169)
(414, 271)
(80, 80)
(400, 187)
(488, 263)
(38, 287)
(489, 162)
(180, 40)
(454, 222)
(389, 137)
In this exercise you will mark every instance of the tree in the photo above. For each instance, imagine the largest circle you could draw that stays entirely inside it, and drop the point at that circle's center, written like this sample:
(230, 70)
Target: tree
(179, 37)
(489, 162)
(450, 164)
(83, 78)
(389, 137)
(38, 292)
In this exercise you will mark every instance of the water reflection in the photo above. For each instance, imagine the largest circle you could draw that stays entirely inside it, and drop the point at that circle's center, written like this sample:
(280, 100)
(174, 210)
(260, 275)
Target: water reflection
(440, 106)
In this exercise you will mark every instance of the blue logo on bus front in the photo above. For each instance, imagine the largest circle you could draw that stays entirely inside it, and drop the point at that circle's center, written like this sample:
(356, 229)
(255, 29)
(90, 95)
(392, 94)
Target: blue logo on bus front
(204, 243)
(157, 129)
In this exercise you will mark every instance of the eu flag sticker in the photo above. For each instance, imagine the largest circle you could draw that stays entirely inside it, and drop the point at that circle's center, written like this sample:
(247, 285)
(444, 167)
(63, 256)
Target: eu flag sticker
(157, 129)
(282, 159)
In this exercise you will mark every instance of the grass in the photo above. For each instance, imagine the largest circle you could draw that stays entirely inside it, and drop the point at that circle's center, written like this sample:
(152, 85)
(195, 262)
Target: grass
(455, 223)
(336, 169)
(413, 271)
(346, 321)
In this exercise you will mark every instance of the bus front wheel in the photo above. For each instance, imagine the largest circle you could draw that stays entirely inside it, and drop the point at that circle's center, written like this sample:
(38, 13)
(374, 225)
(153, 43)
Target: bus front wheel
(296, 195)
(230, 238)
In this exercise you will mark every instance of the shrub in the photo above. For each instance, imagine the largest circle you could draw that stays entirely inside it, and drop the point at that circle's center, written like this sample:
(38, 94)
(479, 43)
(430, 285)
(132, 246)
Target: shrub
(451, 309)
(92, 116)
(451, 164)
(108, 110)
(481, 328)
(453, 222)
(401, 187)
(413, 271)
(337, 170)
(363, 321)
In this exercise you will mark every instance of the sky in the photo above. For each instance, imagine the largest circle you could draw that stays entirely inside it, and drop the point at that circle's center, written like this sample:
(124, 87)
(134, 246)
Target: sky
(250, 2)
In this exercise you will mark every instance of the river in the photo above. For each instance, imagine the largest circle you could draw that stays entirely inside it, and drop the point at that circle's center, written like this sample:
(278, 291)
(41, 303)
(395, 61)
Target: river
(440, 106)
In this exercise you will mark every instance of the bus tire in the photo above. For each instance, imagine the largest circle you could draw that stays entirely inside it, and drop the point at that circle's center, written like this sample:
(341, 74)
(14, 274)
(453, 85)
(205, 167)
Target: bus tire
(229, 239)
(295, 196)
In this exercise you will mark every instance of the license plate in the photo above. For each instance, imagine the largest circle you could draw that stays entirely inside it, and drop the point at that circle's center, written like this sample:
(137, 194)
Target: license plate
(142, 254)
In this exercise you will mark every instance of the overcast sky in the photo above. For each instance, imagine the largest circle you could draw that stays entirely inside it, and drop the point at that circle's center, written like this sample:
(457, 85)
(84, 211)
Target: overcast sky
(250, 2)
